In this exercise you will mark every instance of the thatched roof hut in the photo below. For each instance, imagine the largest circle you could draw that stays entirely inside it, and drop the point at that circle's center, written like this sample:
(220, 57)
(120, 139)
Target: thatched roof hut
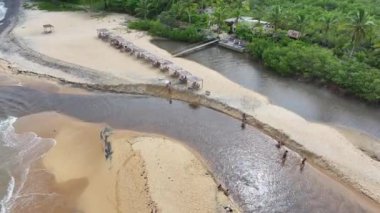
(103, 33)
(195, 82)
(48, 28)
(117, 41)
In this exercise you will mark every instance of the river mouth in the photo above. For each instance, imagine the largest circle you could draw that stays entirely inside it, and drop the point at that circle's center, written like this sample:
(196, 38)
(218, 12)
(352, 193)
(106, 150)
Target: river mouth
(245, 160)
(310, 102)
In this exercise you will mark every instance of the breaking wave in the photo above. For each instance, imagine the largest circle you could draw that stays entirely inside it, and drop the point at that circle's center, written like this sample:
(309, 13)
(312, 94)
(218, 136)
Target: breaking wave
(17, 153)
(3, 11)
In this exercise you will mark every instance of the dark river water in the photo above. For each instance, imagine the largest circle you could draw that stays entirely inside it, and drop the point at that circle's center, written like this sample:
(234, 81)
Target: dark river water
(246, 161)
(8, 9)
(309, 101)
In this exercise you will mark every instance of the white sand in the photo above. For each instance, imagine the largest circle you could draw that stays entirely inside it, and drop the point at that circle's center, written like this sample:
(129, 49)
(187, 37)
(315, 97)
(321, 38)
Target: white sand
(75, 41)
(178, 182)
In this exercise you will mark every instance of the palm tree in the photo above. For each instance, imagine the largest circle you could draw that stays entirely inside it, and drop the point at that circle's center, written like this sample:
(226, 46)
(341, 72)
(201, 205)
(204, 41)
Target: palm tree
(170, 3)
(143, 8)
(106, 4)
(238, 10)
(328, 21)
(301, 21)
(275, 17)
(219, 14)
(360, 24)
(257, 9)
(203, 4)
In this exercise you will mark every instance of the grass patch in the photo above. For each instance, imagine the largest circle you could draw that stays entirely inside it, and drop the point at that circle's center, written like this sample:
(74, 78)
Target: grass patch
(58, 6)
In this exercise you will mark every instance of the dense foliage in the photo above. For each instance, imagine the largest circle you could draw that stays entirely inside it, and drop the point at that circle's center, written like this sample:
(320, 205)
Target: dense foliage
(69, 5)
(295, 58)
(158, 29)
(340, 43)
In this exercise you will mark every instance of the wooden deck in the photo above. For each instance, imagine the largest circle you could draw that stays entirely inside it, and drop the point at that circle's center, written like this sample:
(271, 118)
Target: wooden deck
(196, 48)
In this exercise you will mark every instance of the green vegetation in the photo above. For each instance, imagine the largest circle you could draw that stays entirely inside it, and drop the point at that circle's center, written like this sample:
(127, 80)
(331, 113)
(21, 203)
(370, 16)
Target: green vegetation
(297, 59)
(156, 28)
(58, 5)
(339, 44)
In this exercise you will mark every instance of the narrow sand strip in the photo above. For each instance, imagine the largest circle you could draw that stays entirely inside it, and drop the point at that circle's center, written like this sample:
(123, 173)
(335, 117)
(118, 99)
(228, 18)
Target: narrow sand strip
(146, 173)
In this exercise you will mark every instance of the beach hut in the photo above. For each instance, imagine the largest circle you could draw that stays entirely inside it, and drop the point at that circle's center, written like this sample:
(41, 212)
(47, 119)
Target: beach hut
(195, 82)
(129, 47)
(48, 28)
(117, 41)
(103, 34)
(184, 76)
(176, 73)
(166, 66)
(139, 53)
(149, 57)
(160, 63)
(175, 70)
(294, 34)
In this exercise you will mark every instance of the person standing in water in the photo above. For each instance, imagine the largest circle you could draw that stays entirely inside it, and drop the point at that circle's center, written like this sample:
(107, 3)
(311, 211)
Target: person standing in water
(243, 125)
(279, 144)
(284, 157)
(243, 121)
(302, 165)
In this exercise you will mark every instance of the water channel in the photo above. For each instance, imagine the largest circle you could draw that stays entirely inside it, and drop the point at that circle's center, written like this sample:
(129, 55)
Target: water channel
(309, 101)
(245, 160)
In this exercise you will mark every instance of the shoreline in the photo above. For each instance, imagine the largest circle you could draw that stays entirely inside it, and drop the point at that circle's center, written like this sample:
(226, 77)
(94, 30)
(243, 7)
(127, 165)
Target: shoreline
(140, 90)
(260, 117)
(184, 95)
(132, 168)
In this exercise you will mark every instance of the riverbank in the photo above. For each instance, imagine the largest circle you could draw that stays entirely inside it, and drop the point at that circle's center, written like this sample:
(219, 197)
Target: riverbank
(330, 148)
(147, 173)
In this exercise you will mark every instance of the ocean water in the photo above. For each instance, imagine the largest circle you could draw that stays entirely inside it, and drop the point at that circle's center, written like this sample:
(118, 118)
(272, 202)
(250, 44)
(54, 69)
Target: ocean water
(3, 11)
(17, 153)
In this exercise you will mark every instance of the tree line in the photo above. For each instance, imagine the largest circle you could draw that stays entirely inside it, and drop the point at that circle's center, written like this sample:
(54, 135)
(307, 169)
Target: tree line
(340, 42)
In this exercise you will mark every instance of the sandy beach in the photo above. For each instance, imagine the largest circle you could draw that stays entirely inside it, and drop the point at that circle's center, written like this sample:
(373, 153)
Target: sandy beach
(147, 173)
(74, 41)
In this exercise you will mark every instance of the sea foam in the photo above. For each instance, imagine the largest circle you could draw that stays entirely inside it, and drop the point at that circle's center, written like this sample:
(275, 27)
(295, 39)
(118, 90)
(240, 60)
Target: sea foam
(3, 11)
(17, 153)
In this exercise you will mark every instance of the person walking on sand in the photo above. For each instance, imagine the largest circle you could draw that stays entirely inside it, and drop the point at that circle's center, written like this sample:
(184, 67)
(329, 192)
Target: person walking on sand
(108, 150)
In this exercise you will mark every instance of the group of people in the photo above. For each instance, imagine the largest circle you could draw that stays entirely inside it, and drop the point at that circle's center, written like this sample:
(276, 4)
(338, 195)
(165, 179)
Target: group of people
(285, 154)
(158, 62)
(278, 145)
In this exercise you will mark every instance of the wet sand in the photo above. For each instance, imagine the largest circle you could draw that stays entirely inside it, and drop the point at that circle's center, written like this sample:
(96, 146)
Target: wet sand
(146, 173)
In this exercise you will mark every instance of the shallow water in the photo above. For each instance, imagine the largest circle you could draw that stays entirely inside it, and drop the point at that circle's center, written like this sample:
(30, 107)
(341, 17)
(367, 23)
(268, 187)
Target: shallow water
(309, 101)
(8, 8)
(17, 153)
(245, 160)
